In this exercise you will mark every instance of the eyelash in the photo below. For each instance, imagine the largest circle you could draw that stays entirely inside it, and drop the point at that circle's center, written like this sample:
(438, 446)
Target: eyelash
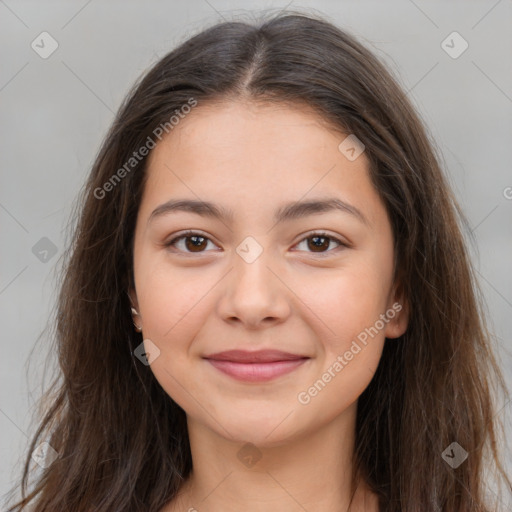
(316, 234)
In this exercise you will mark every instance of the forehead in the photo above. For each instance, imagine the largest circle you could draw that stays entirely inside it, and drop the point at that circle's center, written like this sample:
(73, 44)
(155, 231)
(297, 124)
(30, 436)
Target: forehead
(249, 155)
(240, 126)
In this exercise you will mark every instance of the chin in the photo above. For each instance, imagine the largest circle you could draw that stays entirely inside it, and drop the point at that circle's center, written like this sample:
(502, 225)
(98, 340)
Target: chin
(260, 426)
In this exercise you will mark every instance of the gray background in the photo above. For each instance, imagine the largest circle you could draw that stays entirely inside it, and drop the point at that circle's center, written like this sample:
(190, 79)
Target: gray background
(55, 112)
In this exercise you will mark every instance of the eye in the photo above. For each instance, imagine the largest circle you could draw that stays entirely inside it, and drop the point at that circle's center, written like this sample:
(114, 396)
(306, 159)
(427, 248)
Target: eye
(320, 241)
(196, 242)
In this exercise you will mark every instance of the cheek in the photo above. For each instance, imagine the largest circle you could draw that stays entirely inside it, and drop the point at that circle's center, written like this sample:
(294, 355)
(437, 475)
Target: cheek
(348, 302)
(172, 300)
(351, 335)
(342, 381)
(173, 306)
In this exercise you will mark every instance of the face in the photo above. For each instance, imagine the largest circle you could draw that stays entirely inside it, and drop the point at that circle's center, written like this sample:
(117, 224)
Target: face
(258, 271)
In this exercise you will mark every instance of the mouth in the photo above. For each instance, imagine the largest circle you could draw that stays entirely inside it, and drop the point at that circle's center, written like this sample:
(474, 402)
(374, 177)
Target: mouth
(256, 366)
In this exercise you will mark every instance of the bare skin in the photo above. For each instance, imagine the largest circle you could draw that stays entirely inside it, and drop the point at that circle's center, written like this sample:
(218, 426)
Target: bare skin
(194, 299)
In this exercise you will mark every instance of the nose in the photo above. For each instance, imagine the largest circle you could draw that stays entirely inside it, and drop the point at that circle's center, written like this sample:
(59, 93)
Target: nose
(255, 296)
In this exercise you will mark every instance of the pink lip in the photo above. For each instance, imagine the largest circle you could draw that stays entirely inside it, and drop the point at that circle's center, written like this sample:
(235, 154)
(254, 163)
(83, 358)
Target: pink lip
(256, 366)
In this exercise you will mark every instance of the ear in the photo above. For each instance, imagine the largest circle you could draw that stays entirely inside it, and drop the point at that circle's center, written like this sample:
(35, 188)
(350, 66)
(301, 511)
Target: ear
(397, 312)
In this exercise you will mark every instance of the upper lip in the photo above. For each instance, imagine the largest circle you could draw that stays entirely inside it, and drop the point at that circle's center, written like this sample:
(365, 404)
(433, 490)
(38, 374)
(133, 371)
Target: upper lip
(260, 356)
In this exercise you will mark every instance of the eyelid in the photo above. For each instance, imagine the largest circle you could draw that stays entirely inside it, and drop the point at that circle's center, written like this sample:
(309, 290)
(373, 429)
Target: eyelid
(309, 234)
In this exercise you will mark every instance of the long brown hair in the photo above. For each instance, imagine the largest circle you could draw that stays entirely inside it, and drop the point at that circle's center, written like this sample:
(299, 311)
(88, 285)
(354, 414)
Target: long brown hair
(122, 442)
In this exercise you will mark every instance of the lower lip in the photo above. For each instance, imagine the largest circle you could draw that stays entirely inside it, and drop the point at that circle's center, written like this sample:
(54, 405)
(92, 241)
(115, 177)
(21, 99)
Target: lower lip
(256, 372)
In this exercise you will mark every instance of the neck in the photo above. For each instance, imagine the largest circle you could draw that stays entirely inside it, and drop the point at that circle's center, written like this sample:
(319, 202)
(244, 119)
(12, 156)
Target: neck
(311, 472)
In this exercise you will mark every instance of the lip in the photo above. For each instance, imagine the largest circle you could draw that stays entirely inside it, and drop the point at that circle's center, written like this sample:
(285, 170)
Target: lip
(258, 356)
(258, 366)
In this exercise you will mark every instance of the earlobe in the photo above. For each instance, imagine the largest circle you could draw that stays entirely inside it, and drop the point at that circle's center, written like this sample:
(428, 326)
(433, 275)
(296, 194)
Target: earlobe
(398, 313)
(397, 325)
(134, 309)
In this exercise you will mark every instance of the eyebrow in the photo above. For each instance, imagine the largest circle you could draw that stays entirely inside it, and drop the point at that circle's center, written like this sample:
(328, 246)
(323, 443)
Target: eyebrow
(287, 212)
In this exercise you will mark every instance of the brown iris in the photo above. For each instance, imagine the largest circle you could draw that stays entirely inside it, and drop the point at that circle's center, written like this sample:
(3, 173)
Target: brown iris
(316, 246)
(198, 243)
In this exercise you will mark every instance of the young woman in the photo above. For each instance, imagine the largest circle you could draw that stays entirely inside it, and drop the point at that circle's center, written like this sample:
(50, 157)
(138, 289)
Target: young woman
(268, 303)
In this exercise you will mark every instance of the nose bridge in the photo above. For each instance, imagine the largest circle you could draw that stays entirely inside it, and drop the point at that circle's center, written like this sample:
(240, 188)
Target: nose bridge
(251, 274)
(254, 292)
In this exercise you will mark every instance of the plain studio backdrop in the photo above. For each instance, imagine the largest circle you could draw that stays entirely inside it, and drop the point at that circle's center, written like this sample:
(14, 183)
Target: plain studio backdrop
(67, 65)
